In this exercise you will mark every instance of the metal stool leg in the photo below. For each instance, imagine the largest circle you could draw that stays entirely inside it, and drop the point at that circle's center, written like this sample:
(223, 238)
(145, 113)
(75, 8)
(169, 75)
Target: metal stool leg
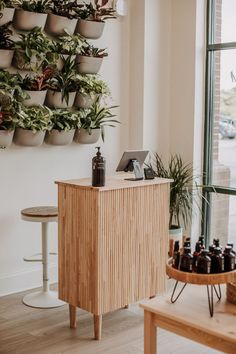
(44, 298)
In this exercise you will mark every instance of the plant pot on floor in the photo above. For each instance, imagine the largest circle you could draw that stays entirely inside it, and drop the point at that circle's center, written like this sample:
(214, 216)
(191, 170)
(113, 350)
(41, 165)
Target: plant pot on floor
(82, 136)
(26, 137)
(6, 56)
(84, 101)
(88, 65)
(175, 234)
(56, 25)
(36, 98)
(90, 29)
(7, 15)
(6, 137)
(54, 99)
(59, 138)
(27, 20)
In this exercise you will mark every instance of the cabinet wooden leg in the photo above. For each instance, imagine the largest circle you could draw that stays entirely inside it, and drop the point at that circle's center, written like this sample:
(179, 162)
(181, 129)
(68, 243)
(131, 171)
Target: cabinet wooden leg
(152, 297)
(97, 326)
(126, 306)
(73, 322)
(150, 341)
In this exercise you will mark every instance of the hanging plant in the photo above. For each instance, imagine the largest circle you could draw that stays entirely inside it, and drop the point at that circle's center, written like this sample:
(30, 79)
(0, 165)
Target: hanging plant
(30, 14)
(6, 46)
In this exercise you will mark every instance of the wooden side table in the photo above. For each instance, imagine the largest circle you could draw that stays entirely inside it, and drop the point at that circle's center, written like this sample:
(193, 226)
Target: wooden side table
(189, 318)
(113, 243)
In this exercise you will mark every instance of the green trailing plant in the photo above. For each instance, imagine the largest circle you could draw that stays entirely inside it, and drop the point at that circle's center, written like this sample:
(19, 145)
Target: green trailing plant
(91, 51)
(64, 81)
(64, 120)
(97, 117)
(11, 93)
(92, 85)
(69, 44)
(65, 8)
(97, 11)
(36, 118)
(5, 36)
(184, 192)
(39, 6)
(32, 49)
(38, 82)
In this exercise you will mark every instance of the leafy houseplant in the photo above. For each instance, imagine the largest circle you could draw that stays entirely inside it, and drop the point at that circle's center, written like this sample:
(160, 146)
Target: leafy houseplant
(63, 17)
(11, 93)
(6, 11)
(89, 88)
(92, 17)
(7, 118)
(30, 14)
(90, 59)
(31, 50)
(6, 46)
(32, 124)
(93, 122)
(63, 127)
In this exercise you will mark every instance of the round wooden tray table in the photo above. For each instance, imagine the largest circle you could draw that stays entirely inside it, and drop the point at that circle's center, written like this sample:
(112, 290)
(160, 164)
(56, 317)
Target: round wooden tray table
(212, 282)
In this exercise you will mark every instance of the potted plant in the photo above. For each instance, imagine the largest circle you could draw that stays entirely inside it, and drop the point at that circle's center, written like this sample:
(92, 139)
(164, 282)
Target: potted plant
(90, 59)
(92, 18)
(62, 17)
(31, 50)
(36, 87)
(6, 11)
(93, 122)
(88, 89)
(6, 46)
(61, 92)
(7, 118)
(31, 126)
(30, 14)
(63, 127)
(64, 47)
(183, 195)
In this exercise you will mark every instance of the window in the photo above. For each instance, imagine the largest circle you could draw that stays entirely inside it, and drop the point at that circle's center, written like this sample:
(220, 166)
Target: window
(220, 125)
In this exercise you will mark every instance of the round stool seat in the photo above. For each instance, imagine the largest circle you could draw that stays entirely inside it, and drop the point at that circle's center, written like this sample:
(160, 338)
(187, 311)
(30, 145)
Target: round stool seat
(40, 214)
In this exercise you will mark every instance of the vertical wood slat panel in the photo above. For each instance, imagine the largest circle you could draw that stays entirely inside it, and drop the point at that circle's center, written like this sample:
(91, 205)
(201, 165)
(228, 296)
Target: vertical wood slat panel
(112, 245)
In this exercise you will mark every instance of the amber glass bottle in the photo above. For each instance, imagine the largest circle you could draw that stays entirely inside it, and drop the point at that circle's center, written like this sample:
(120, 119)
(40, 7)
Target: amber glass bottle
(186, 260)
(98, 170)
(217, 261)
(195, 255)
(176, 255)
(204, 263)
(229, 259)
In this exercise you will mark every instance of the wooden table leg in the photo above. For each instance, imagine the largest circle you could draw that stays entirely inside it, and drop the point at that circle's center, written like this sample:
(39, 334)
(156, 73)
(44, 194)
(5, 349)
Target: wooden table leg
(97, 326)
(72, 310)
(150, 340)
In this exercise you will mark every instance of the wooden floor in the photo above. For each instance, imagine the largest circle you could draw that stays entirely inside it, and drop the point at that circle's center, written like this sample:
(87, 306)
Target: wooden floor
(24, 330)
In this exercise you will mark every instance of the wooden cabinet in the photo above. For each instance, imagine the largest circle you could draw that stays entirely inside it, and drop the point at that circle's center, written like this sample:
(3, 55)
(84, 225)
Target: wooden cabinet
(113, 243)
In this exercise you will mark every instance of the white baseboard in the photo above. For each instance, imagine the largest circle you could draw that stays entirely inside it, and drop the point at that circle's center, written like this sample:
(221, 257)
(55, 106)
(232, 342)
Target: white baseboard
(25, 280)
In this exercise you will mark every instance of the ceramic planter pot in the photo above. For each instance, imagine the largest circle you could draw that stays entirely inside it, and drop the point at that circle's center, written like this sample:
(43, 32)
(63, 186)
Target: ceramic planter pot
(6, 56)
(7, 15)
(53, 100)
(82, 136)
(6, 137)
(59, 138)
(84, 101)
(26, 137)
(55, 25)
(36, 98)
(60, 61)
(90, 29)
(175, 234)
(88, 65)
(26, 20)
(19, 61)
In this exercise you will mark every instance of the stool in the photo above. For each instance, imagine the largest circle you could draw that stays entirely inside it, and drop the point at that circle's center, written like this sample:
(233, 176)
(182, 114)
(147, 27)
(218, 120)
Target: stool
(44, 298)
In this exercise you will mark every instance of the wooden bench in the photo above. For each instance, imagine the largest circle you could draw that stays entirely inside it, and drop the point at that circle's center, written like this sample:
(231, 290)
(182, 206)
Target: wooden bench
(189, 317)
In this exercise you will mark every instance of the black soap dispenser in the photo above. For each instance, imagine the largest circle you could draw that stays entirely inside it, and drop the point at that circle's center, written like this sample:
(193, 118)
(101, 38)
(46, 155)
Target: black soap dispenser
(98, 170)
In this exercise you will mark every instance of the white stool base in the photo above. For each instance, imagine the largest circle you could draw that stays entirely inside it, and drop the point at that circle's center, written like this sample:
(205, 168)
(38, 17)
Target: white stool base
(43, 300)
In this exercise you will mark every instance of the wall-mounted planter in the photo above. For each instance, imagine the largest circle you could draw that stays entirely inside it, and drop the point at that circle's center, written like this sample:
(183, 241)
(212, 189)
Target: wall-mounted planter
(36, 98)
(26, 20)
(7, 15)
(6, 56)
(26, 137)
(54, 99)
(84, 101)
(90, 29)
(88, 65)
(55, 25)
(6, 137)
(82, 136)
(19, 61)
(59, 138)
